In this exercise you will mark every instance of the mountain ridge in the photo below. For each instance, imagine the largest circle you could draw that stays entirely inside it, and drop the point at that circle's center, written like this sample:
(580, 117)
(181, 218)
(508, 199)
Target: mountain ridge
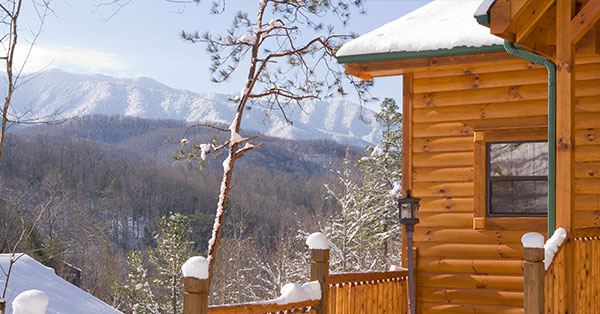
(73, 95)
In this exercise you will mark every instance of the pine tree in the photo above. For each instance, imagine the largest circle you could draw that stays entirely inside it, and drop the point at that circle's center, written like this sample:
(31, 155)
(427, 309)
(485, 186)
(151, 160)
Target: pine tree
(172, 250)
(162, 292)
(382, 170)
(137, 289)
(346, 229)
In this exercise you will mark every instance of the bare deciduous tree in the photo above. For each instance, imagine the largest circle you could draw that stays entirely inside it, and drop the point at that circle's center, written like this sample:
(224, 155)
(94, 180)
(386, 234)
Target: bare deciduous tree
(289, 62)
(10, 13)
(10, 40)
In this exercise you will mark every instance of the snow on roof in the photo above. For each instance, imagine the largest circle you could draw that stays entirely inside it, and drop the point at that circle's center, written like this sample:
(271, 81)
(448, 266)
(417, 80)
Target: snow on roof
(440, 24)
(63, 297)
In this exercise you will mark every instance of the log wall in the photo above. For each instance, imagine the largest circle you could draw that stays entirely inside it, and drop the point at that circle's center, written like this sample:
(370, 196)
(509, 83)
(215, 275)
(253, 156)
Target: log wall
(587, 143)
(481, 271)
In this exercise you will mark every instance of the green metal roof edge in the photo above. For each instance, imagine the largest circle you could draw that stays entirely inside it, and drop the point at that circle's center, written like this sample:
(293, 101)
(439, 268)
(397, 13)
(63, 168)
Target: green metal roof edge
(483, 19)
(399, 55)
(482, 14)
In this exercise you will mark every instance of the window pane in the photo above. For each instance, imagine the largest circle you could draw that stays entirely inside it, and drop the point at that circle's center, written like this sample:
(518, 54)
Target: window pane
(518, 159)
(518, 197)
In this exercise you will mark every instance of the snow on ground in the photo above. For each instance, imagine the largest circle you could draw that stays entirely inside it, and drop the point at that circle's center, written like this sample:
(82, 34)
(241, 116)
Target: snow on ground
(440, 24)
(63, 297)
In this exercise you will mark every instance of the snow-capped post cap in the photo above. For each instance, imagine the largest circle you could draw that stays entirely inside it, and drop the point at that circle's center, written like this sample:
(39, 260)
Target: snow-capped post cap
(317, 241)
(196, 267)
(30, 302)
(533, 240)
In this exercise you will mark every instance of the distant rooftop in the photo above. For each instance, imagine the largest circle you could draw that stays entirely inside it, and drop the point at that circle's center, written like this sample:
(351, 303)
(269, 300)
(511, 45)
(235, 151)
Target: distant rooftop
(64, 298)
(438, 26)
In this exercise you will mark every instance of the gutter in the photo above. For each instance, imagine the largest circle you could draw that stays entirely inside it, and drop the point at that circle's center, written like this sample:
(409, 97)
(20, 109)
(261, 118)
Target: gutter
(551, 67)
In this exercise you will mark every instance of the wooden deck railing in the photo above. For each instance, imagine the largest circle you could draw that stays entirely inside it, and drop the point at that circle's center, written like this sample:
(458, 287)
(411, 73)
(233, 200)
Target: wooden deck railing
(584, 271)
(299, 307)
(370, 292)
(373, 292)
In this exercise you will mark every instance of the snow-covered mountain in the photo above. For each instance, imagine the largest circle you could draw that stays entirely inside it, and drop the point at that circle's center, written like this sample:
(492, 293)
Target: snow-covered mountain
(77, 94)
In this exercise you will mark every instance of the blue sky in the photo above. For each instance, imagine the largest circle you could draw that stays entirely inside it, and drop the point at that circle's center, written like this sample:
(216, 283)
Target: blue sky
(142, 39)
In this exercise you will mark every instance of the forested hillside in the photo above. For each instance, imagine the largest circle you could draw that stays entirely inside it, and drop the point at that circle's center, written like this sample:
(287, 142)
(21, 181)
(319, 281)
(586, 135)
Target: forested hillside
(103, 182)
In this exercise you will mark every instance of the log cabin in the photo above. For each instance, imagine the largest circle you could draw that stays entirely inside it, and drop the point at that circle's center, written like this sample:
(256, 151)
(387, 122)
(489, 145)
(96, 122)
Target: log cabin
(501, 136)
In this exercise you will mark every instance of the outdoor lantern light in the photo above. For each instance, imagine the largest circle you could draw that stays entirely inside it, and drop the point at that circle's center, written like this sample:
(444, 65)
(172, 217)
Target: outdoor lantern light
(408, 207)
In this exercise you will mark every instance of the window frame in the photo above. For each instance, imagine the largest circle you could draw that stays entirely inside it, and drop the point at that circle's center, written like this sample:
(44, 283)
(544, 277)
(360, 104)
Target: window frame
(481, 219)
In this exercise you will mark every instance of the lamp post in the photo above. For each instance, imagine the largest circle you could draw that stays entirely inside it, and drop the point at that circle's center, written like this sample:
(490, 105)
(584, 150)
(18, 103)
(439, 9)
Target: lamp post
(408, 207)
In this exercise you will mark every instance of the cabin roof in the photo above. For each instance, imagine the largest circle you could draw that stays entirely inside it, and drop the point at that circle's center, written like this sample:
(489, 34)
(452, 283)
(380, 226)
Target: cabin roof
(65, 298)
(435, 29)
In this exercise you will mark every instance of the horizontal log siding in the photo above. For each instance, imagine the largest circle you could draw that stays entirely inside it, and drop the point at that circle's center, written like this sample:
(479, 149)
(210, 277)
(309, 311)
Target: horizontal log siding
(464, 270)
(587, 144)
(459, 269)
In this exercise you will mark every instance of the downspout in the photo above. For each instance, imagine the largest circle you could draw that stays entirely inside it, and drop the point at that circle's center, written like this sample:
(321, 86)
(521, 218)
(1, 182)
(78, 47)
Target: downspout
(551, 67)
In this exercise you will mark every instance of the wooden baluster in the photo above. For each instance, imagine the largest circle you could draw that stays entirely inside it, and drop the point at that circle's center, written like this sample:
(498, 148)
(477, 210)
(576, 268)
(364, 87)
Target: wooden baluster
(195, 298)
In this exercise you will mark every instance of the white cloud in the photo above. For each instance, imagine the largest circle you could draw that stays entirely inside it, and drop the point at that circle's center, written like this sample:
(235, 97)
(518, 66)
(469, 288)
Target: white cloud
(69, 58)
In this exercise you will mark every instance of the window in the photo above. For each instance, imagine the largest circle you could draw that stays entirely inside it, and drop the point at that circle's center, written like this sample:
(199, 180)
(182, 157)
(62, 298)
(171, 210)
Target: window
(510, 177)
(517, 178)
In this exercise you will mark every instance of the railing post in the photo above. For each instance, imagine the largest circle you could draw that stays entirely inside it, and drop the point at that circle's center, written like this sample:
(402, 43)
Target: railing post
(319, 271)
(534, 273)
(195, 298)
(2, 306)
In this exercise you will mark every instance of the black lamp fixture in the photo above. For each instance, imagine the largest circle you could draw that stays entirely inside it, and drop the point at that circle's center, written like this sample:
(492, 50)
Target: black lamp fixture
(408, 207)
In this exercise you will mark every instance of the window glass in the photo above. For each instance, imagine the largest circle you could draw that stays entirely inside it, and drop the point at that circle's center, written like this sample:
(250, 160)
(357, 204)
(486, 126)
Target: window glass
(517, 178)
(518, 197)
(518, 159)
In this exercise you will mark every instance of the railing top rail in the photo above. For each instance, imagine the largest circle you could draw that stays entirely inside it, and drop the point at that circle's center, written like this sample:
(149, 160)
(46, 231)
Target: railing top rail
(586, 232)
(364, 277)
(259, 308)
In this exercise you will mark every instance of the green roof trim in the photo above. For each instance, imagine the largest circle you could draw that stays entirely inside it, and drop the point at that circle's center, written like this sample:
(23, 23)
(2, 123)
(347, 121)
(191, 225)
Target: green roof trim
(482, 15)
(387, 56)
(483, 19)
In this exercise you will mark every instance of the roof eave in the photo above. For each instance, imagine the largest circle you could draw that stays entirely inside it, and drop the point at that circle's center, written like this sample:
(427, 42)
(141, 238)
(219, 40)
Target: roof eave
(399, 55)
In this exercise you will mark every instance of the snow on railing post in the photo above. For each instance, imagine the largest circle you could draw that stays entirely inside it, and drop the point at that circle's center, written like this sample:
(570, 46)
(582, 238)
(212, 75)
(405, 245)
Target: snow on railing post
(195, 285)
(319, 267)
(534, 272)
